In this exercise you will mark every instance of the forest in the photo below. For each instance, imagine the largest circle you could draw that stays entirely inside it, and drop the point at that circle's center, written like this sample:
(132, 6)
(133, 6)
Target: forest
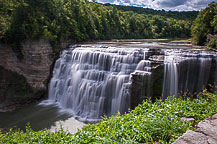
(80, 20)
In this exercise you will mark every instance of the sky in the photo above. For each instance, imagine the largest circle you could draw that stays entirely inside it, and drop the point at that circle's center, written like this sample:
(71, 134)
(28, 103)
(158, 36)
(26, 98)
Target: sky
(179, 5)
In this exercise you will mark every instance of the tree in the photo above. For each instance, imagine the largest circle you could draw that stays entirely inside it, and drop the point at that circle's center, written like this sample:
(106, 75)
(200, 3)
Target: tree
(204, 24)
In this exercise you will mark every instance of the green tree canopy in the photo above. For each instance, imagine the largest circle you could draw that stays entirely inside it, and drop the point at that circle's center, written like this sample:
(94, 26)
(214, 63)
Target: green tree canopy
(82, 20)
(205, 23)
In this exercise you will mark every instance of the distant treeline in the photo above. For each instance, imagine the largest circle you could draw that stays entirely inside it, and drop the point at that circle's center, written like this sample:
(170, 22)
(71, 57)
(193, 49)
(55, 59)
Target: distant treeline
(204, 29)
(184, 15)
(80, 20)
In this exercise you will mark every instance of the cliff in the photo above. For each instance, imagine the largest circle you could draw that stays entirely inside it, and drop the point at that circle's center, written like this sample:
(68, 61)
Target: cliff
(33, 70)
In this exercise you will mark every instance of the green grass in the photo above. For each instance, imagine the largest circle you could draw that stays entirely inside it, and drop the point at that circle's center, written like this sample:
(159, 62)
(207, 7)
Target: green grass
(150, 122)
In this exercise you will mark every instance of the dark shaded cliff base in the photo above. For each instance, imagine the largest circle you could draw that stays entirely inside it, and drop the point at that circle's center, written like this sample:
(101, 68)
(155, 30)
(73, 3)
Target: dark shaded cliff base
(15, 91)
(206, 133)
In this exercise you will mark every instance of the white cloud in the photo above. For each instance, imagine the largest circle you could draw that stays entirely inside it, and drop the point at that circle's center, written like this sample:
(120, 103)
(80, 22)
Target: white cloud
(181, 5)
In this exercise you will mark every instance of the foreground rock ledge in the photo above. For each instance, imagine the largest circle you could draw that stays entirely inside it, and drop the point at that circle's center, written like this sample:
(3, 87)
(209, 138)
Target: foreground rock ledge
(206, 133)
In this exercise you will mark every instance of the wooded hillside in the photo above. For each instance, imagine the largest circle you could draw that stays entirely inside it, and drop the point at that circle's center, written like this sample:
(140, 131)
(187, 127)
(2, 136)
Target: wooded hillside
(81, 20)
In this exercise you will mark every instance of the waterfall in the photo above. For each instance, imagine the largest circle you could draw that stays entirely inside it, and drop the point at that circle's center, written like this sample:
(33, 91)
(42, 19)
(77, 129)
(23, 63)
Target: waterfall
(170, 84)
(95, 81)
(191, 73)
(92, 81)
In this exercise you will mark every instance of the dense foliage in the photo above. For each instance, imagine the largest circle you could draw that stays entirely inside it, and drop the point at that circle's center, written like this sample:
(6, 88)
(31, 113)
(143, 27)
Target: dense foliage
(81, 20)
(204, 25)
(150, 122)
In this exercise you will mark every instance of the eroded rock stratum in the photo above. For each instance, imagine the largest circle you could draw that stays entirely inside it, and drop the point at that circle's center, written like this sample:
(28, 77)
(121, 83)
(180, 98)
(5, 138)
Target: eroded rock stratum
(33, 68)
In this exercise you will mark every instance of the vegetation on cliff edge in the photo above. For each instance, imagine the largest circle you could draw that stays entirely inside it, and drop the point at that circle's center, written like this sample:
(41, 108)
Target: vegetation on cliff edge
(149, 122)
(204, 29)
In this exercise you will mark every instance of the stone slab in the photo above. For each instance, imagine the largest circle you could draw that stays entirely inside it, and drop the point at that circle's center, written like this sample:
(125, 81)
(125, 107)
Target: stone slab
(206, 133)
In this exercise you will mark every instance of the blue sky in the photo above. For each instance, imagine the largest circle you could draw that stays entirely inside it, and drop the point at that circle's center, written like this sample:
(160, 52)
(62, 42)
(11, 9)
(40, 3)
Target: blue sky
(180, 5)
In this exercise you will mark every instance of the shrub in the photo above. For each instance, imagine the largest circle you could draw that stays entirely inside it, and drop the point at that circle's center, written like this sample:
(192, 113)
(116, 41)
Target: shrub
(212, 44)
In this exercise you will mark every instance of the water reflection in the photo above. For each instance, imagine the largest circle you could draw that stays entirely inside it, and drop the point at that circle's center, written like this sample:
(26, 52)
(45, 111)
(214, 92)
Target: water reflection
(39, 117)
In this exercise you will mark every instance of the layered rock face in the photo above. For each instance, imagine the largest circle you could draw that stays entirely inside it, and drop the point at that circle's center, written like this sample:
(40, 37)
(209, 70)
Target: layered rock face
(34, 67)
(36, 62)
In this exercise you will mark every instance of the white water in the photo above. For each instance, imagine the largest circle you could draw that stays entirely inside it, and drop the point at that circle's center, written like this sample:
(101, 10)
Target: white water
(95, 81)
(187, 72)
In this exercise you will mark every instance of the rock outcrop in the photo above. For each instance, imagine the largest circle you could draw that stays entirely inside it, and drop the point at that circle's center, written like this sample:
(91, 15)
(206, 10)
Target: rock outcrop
(147, 86)
(36, 62)
(206, 133)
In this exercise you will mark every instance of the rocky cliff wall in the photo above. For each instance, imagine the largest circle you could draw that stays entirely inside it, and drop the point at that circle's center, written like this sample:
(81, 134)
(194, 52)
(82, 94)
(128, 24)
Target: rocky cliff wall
(147, 86)
(35, 67)
(36, 62)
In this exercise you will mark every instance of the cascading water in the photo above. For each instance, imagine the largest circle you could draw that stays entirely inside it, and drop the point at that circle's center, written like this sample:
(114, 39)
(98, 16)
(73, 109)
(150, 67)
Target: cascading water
(170, 84)
(93, 81)
(186, 72)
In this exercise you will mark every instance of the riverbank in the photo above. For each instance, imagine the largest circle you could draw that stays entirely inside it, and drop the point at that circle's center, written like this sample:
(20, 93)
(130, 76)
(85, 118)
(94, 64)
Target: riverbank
(160, 122)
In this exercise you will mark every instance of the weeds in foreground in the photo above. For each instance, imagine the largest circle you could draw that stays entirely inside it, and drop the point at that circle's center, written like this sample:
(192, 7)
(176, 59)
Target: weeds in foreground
(148, 123)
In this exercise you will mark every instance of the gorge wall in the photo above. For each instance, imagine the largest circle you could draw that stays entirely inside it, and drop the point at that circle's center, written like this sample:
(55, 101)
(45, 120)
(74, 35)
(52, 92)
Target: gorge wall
(33, 69)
